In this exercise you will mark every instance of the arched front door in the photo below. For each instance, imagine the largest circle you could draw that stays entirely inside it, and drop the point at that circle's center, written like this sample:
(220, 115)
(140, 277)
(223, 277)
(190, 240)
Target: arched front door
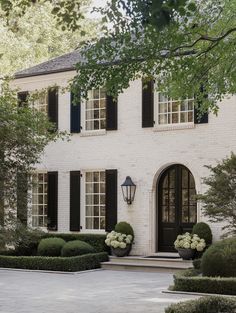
(177, 205)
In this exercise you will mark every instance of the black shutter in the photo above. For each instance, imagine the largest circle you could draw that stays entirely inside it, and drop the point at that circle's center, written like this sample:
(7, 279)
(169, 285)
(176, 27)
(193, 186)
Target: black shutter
(52, 200)
(147, 103)
(200, 118)
(22, 197)
(53, 106)
(75, 114)
(111, 113)
(111, 199)
(75, 201)
(22, 98)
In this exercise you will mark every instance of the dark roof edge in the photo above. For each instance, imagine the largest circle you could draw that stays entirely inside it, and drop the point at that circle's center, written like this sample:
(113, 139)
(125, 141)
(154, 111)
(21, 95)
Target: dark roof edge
(44, 73)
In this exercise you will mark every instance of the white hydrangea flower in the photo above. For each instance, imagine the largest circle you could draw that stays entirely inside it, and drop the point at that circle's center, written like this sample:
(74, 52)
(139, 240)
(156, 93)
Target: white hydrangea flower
(122, 245)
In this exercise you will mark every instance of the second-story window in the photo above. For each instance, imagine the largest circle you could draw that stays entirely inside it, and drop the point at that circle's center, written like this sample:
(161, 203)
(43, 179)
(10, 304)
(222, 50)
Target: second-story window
(95, 110)
(174, 111)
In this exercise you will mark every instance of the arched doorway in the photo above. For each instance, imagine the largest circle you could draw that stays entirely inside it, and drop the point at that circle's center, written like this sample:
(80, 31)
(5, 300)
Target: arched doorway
(176, 205)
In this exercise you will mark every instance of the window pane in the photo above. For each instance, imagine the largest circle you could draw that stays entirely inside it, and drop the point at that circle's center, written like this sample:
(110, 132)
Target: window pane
(162, 119)
(96, 93)
(102, 223)
(162, 107)
(183, 117)
(96, 125)
(102, 93)
(102, 103)
(190, 116)
(96, 104)
(175, 106)
(89, 211)
(172, 214)
(89, 223)
(96, 223)
(185, 214)
(96, 211)
(175, 118)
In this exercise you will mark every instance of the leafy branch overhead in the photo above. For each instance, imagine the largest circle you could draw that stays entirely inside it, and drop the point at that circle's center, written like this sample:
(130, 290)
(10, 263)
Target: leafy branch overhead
(183, 44)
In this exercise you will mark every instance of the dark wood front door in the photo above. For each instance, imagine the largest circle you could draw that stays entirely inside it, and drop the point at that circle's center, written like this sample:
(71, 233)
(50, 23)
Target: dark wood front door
(177, 205)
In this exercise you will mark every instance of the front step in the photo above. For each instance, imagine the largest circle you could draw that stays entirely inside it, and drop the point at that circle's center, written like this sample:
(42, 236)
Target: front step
(133, 263)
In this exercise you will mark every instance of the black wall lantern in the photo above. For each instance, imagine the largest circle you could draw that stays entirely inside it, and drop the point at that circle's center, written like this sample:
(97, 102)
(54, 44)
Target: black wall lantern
(128, 190)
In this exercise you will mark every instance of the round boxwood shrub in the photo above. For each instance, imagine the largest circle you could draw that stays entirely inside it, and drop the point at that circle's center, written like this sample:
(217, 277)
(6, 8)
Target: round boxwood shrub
(124, 228)
(203, 230)
(76, 247)
(50, 246)
(220, 259)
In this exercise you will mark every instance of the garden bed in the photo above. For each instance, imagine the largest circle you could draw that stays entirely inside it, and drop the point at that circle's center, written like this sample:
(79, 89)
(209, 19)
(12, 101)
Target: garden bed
(66, 264)
(191, 281)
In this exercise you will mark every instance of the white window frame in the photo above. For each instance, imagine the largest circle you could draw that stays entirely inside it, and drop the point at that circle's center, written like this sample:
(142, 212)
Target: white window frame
(170, 126)
(88, 132)
(83, 203)
(31, 202)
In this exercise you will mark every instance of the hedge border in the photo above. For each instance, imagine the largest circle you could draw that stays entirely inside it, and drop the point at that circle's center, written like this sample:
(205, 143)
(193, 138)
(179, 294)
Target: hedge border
(62, 264)
(190, 281)
(204, 304)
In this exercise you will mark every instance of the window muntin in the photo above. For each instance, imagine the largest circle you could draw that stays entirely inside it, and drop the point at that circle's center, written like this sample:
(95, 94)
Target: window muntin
(41, 103)
(95, 200)
(95, 110)
(174, 111)
(39, 199)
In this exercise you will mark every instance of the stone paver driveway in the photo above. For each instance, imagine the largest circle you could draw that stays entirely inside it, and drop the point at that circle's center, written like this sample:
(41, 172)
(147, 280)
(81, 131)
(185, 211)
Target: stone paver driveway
(88, 292)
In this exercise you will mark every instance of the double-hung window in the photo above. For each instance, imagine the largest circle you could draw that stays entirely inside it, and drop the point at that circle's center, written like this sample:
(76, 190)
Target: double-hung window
(95, 200)
(39, 199)
(171, 111)
(95, 110)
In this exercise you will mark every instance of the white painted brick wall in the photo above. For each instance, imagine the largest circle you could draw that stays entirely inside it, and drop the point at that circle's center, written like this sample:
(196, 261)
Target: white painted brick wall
(135, 151)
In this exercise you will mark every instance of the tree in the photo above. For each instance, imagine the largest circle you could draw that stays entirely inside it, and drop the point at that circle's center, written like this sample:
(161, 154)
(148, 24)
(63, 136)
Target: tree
(187, 46)
(219, 201)
(35, 36)
(24, 133)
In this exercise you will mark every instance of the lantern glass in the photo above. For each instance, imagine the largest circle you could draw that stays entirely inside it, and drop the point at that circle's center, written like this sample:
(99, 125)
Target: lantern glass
(128, 190)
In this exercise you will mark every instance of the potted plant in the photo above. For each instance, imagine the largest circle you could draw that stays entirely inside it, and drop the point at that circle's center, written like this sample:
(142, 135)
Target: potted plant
(187, 244)
(120, 243)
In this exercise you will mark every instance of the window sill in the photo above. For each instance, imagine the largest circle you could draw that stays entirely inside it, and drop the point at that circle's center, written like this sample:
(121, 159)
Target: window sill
(93, 231)
(159, 128)
(89, 133)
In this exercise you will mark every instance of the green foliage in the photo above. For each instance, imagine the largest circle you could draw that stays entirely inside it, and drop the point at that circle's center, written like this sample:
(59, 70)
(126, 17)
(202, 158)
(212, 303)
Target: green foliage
(73, 264)
(76, 247)
(23, 239)
(95, 240)
(219, 200)
(50, 246)
(33, 37)
(190, 281)
(220, 259)
(124, 228)
(179, 43)
(210, 304)
(197, 264)
(203, 230)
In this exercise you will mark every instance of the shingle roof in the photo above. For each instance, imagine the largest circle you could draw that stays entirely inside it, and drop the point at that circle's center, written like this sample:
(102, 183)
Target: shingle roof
(62, 63)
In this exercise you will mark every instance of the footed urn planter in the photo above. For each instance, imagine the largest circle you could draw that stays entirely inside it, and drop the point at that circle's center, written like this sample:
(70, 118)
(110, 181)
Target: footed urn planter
(121, 252)
(186, 254)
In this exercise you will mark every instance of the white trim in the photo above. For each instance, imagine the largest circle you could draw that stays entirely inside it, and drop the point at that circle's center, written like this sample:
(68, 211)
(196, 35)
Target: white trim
(179, 126)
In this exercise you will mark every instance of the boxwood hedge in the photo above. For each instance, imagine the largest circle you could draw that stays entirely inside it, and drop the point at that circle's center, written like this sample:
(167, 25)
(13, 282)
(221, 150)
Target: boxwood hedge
(67, 264)
(190, 280)
(212, 304)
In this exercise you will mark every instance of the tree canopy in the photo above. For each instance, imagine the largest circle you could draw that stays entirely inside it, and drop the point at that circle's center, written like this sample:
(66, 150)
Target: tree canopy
(187, 46)
(35, 36)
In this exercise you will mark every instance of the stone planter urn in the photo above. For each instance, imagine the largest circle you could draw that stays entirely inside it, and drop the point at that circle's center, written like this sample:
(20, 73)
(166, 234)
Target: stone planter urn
(121, 252)
(186, 254)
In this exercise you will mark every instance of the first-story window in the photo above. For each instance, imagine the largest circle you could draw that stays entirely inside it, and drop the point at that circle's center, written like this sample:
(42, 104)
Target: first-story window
(41, 103)
(174, 111)
(95, 110)
(95, 200)
(39, 199)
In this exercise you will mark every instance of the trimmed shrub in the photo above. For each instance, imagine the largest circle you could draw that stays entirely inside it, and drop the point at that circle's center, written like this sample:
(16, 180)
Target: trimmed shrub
(197, 264)
(203, 230)
(220, 259)
(76, 247)
(50, 246)
(124, 228)
(97, 241)
(189, 280)
(211, 304)
(73, 264)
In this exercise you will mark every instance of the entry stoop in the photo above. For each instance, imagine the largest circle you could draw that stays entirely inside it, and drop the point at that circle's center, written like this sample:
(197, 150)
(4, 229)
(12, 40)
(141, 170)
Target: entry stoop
(146, 264)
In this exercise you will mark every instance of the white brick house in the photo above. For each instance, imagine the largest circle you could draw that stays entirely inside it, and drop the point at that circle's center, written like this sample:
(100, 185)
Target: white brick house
(156, 142)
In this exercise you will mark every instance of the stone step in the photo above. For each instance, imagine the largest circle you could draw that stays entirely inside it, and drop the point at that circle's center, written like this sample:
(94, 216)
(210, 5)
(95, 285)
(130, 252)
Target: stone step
(138, 267)
(159, 262)
(138, 263)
